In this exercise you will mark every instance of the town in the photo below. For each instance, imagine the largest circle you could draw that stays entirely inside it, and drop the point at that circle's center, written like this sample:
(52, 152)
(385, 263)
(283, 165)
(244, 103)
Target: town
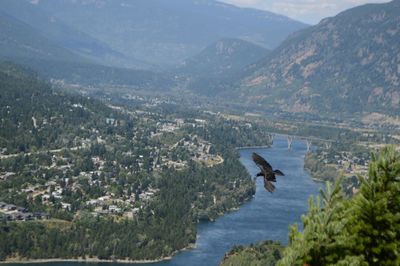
(105, 173)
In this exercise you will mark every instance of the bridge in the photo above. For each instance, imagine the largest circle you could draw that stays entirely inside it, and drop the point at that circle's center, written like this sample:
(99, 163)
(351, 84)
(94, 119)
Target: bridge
(308, 140)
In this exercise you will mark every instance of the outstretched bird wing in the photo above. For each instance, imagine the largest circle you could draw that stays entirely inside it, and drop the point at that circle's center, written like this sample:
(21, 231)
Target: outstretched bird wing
(261, 163)
(266, 171)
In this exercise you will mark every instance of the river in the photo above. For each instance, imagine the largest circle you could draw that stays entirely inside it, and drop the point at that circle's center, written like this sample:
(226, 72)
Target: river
(266, 217)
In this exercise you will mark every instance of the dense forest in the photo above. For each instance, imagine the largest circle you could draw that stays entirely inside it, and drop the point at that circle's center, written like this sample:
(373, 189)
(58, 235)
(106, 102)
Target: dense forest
(166, 225)
(33, 116)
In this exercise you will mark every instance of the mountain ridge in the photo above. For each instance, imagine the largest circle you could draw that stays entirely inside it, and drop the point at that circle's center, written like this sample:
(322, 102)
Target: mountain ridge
(166, 33)
(18, 39)
(66, 36)
(223, 57)
(345, 64)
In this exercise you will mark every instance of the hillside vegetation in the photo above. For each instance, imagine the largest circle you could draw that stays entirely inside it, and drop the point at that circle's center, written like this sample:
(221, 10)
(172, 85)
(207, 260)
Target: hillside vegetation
(347, 64)
(116, 183)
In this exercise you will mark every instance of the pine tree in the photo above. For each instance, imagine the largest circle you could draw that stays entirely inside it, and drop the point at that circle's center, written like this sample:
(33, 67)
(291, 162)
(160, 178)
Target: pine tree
(375, 224)
(363, 230)
(320, 238)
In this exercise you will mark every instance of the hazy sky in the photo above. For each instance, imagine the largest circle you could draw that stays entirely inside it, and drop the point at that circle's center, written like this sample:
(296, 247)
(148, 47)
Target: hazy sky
(309, 11)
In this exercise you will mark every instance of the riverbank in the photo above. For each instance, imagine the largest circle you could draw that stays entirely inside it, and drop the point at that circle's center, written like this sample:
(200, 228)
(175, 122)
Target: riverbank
(319, 170)
(253, 147)
(94, 259)
(86, 260)
(263, 253)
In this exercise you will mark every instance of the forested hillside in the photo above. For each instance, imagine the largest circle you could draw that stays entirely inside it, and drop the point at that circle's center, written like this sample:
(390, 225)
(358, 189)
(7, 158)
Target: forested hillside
(34, 117)
(114, 183)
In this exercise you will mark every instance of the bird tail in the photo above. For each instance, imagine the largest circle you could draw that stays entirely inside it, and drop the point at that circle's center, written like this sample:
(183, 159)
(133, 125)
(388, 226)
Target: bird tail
(269, 186)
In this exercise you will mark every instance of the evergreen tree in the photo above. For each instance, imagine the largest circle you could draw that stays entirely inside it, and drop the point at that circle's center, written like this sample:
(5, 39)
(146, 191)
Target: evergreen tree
(375, 224)
(363, 230)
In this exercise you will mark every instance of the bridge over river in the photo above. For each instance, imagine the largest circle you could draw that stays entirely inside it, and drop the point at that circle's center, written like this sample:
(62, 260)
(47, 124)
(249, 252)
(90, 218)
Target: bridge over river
(308, 140)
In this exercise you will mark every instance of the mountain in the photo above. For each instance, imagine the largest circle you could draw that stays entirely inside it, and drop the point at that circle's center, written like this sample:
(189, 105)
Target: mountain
(346, 64)
(66, 36)
(19, 40)
(24, 45)
(90, 74)
(167, 32)
(223, 58)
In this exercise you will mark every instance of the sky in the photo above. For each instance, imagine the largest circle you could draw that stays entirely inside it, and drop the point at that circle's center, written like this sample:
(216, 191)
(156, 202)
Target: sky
(308, 11)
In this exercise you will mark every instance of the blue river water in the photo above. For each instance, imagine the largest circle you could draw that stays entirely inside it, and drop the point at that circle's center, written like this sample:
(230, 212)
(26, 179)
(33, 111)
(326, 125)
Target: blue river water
(266, 217)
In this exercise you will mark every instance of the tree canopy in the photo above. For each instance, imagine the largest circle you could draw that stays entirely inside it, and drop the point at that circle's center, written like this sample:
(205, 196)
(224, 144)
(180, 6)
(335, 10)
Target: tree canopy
(363, 230)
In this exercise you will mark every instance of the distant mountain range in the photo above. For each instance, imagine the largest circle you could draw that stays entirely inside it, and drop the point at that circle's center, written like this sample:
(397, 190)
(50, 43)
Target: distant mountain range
(21, 43)
(223, 58)
(62, 34)
(346, 64)
(19, 40)
(167, 32)
(211, 71)
(57, 51)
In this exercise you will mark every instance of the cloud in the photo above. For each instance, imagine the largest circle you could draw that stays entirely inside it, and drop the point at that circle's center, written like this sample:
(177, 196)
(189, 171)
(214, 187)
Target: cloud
(310, 11)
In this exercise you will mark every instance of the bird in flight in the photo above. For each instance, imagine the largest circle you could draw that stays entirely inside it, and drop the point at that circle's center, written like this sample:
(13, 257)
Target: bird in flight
(266, 172)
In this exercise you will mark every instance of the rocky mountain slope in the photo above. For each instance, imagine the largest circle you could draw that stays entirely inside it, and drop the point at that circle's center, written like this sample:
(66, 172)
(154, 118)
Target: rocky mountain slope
(345, 64)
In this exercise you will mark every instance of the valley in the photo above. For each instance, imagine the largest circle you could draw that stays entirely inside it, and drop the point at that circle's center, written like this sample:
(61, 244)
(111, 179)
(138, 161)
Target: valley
(126, 129)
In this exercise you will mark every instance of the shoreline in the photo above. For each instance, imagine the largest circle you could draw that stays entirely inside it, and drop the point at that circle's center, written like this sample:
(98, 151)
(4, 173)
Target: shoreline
(95, 260)
(313, 177)
(253, 147)
(81, 260)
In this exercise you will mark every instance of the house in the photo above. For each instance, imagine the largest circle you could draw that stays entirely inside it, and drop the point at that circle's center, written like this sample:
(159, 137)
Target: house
(40, 215)
(26, 216)
(66, 206)
(57, 194)
(16, 216)
(92, 202)
(46, 198)
(10, 207)
(51, 183)
(104, 198)
(28, 190)
(110, 121)
(114, 209)
(21, 209)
